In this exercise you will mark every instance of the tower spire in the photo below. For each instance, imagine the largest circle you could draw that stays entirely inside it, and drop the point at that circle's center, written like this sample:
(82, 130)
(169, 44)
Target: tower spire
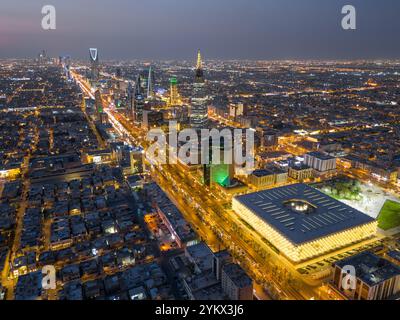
(199, 68)
(199, 62)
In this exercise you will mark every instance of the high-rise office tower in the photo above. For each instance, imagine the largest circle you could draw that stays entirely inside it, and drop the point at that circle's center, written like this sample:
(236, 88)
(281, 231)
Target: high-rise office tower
(150, 83)
(130, 96)
(198, 112)
(98, 104)
(222, 171)
(42, 56)
(143, 82)
(138, 104)
(94, 64)
(174, 99)
(138, 84)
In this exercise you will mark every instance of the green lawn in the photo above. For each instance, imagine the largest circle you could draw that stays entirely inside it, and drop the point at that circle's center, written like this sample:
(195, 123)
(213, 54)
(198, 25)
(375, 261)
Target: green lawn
(389, 217)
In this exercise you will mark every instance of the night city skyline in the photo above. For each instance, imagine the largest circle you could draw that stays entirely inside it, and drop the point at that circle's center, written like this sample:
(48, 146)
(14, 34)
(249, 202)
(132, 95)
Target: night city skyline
(212, 157)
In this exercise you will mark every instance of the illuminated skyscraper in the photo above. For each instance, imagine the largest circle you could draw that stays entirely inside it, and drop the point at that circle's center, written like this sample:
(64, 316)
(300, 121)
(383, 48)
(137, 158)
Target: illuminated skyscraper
(150, 83)
(130, 97)
(138, 85)
(94, 64)
(42, 57)
(138, 105)
(198, 112)
(98, 103)
(222, 172)
(143, 82)
(174, 99)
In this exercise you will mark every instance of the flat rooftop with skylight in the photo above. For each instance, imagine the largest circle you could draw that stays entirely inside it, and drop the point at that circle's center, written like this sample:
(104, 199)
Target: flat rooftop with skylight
(303, 222)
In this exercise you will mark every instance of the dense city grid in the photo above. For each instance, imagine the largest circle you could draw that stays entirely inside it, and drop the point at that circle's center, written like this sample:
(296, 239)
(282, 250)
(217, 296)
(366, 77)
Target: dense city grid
(78, 192)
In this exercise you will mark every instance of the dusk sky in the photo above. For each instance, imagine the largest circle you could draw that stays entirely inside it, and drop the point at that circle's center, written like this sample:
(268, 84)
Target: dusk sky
(227, 29)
